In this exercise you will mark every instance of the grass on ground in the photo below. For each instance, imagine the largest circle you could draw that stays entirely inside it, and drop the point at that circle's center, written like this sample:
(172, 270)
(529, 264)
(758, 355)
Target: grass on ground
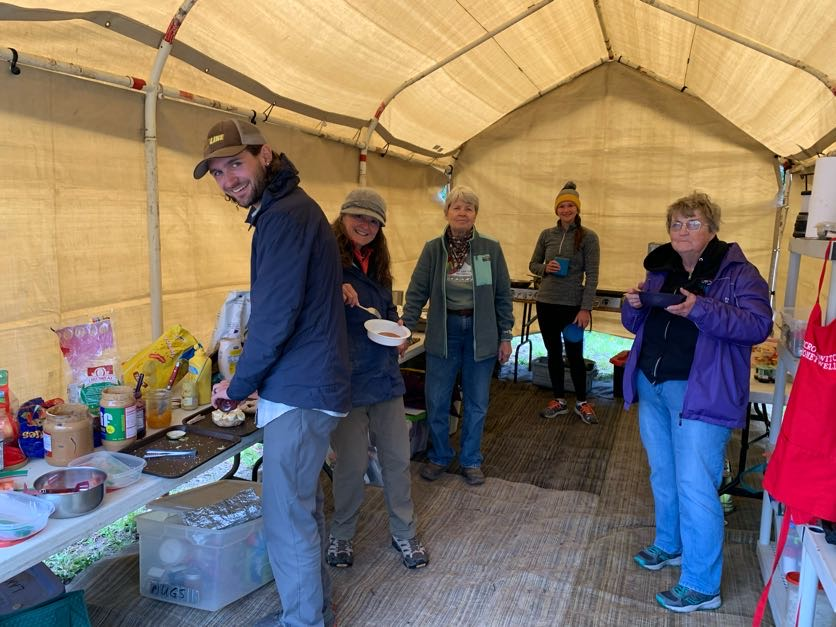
(113, 538)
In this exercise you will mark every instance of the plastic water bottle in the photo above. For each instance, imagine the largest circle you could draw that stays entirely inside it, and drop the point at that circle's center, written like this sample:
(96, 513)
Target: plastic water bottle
(791, 556)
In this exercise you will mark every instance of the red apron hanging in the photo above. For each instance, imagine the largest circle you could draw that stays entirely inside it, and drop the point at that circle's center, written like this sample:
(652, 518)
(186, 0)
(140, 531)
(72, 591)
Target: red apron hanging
(801, 473)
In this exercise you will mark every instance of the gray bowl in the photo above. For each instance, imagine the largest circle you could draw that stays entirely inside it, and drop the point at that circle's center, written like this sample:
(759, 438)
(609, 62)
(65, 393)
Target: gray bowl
(73, 491)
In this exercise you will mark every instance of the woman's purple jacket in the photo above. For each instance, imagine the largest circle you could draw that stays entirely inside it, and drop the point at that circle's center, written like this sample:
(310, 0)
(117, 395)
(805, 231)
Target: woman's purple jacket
(733, 316)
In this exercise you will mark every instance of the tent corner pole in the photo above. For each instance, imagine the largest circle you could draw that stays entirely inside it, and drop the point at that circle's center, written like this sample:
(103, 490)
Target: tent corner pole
(784, 180)
(152, 93)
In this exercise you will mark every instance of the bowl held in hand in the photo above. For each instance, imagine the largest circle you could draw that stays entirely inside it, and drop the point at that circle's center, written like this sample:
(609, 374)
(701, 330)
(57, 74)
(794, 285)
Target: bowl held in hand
(386, 332)
(659, 299)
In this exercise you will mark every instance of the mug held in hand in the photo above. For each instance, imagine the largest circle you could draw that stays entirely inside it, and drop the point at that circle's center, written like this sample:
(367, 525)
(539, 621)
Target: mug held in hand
(564, 266)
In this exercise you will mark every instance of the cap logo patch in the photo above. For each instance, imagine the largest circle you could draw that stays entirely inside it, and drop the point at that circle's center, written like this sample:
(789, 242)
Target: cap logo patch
(216, 138)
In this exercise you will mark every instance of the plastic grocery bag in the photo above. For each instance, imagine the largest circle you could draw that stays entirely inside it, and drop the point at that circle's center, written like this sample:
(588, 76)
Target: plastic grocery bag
(232, 319)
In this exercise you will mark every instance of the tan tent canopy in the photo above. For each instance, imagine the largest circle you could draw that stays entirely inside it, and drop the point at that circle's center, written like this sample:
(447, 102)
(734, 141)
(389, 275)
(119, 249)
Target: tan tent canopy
(637, 101)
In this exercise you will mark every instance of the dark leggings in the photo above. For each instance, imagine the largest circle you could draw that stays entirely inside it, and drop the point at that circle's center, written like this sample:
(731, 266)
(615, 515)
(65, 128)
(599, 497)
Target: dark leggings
(552, 320)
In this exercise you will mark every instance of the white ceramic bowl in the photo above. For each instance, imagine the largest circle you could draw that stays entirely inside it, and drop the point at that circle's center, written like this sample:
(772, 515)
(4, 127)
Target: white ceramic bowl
(395, 334)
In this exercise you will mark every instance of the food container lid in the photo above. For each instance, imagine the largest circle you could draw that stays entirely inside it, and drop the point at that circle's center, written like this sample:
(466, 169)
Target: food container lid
(22, 515)
(122, 469)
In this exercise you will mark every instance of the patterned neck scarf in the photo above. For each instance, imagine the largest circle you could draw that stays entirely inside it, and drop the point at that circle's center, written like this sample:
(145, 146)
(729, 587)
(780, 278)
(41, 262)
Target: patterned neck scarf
(458, 249)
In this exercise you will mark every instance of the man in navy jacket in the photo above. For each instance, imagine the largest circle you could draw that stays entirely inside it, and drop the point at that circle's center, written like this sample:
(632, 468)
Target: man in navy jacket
(295, 356)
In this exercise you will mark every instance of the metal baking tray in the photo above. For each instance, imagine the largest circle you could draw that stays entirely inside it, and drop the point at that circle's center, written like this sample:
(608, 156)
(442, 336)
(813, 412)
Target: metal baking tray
(208, 444)
(204, 421)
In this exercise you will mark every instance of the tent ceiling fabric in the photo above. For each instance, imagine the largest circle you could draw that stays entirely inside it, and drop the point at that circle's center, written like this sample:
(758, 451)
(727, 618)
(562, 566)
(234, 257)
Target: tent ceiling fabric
(335, 61)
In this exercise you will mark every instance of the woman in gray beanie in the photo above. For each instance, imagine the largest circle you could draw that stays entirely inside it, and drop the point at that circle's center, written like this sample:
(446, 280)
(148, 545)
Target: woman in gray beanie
(377, 389)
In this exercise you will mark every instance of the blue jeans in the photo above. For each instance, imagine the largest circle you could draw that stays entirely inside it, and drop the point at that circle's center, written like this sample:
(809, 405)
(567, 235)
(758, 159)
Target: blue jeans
(438, 389)
(686, 467)
(295, 445)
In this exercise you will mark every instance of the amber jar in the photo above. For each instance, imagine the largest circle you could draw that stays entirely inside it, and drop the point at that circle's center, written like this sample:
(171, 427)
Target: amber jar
(158, 409)
(68, 433)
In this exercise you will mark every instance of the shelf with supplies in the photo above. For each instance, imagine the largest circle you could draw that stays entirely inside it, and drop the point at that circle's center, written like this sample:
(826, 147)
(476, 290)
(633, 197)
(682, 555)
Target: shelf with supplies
(818, 563)
(811, 570)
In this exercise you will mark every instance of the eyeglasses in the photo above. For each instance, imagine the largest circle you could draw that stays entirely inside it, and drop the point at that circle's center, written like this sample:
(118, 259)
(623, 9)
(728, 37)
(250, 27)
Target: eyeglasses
(691, 225)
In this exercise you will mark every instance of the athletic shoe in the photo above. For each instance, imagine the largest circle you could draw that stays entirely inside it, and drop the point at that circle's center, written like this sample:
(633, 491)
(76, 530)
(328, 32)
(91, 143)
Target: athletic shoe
(654, 558)
(432, 471)
(340, 553)
(556, 407)
(681, 599)
(413, 553)
(473, 476)
(585, 411)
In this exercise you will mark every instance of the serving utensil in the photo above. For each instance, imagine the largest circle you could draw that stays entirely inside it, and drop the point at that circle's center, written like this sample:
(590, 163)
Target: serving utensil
(153, 452)
(371, 310)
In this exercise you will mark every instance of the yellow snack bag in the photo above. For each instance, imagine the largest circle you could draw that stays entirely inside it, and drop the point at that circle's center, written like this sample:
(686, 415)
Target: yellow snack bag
(157, 360)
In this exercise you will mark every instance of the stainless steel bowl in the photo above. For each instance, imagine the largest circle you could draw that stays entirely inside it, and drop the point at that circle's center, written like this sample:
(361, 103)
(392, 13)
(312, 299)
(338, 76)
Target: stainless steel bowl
(73, 491)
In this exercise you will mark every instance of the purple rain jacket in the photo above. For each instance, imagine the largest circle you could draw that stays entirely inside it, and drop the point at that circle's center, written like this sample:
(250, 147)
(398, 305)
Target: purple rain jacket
(733, 316)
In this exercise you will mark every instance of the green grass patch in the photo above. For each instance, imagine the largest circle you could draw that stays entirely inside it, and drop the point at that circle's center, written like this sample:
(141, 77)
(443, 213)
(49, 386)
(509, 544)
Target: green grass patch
(120, 534)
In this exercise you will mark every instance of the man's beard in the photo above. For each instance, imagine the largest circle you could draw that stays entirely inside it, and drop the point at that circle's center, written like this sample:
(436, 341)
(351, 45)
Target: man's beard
(259, 184)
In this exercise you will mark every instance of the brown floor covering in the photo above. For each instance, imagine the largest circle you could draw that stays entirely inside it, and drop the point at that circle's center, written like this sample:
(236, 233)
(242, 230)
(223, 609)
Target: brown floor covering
(546, 541)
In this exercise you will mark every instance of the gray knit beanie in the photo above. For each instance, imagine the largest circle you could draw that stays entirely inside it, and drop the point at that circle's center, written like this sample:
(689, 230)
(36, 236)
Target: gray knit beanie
(364, 201)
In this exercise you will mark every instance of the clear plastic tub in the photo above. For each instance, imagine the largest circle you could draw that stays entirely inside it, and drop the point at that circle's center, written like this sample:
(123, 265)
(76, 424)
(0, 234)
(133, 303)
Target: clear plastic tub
(22, 515)
(793, 328)
(196, 567)
(122, 469)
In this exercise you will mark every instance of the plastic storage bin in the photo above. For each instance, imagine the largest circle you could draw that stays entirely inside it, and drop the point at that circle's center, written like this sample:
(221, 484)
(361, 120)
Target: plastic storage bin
(540, 374)
(202, 568)
(793, 327)
(122, 469)
(618, 362)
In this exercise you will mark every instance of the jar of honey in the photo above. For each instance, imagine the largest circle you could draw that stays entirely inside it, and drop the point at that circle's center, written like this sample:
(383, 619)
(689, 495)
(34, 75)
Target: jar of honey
(68, 433)
(158, 409)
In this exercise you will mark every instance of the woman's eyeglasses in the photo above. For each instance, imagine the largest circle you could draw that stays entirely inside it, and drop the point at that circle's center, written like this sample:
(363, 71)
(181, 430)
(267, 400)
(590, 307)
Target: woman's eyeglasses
(691, 225)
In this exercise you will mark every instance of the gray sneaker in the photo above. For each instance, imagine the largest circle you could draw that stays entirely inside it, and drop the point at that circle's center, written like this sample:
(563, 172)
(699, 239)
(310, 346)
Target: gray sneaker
(587, 414)
(681, 600)
(340, 553)
(654, 558)
(556, 407)
(413, 553)
(473, 476)
(432, 471)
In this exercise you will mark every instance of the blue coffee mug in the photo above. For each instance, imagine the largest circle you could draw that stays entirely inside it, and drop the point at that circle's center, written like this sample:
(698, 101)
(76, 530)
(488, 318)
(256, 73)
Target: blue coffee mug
(564, 266)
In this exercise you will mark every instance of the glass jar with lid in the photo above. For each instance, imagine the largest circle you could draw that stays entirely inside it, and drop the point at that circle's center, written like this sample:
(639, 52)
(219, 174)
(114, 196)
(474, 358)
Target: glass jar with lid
(68, 433)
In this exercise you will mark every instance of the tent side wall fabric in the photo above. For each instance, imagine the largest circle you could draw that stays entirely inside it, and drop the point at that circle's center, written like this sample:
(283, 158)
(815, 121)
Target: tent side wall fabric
(73, 207)
(633, 146)
(74, 217)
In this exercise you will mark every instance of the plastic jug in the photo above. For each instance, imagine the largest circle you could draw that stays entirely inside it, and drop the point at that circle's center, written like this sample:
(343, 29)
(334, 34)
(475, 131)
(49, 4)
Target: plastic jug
(200, 370)
(229, 352)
